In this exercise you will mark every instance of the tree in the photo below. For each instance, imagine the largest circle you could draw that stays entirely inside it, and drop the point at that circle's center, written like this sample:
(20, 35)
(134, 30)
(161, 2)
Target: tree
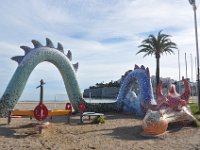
(157, 46)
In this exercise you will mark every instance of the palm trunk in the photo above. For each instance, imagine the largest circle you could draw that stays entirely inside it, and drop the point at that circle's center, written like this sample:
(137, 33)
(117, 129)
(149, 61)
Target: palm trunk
(157, 71)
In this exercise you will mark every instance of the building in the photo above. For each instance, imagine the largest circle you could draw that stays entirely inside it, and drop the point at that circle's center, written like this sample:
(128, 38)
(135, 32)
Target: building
(111, 89)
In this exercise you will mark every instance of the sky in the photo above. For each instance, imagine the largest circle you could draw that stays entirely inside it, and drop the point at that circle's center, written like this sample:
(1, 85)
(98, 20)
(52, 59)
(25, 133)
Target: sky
(103, 36)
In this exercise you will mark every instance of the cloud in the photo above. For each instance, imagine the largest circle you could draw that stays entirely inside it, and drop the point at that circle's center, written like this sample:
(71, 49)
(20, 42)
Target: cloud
(102, 35)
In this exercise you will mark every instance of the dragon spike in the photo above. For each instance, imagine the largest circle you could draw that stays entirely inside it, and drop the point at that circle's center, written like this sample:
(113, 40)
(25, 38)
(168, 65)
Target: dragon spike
(186, 93)
(69, 55)
(136, 67)
(18, 59)
(60, 47)
(161, 99)
(142, 67)
(36, 43)
(76, 66)
(49, 43)
(147, 71)
(26, 49)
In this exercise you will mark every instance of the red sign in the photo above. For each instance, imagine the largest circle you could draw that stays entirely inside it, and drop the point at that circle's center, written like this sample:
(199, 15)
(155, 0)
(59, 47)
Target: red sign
(40, 112)
(82, 106)
(69, 107)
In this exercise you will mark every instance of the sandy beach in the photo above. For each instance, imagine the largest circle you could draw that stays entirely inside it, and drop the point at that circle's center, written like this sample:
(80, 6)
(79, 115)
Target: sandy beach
(119, 132)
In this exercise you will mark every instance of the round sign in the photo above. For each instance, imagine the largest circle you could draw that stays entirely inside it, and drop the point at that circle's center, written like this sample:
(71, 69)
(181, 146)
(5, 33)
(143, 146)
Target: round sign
(69, 107)
(82, 106)
(40, 112)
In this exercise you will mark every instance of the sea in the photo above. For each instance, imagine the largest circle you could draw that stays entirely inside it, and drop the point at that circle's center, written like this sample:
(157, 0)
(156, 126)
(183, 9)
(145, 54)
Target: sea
(88, 100)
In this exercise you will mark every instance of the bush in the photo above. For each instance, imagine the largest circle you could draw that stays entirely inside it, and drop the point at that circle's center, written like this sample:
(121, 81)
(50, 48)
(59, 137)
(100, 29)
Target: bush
(196, 113)
(99, 119)
(195, 109)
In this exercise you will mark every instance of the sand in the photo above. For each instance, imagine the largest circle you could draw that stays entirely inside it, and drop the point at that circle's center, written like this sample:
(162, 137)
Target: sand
(119, 132)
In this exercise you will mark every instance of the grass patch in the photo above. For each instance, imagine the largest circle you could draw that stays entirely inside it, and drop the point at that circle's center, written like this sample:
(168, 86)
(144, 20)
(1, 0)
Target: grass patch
(195, 111)
(99, 119)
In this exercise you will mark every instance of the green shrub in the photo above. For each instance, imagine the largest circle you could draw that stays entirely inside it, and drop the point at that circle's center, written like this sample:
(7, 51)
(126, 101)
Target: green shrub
(99, 119)
(196, 113)
(194, 108)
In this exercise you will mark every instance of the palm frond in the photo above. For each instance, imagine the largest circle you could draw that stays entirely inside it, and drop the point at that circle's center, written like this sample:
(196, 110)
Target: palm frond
(153, 45)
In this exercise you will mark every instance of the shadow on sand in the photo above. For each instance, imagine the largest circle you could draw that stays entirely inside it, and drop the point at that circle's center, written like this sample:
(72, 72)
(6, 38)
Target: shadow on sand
(17, 132)
(7, 132)
(136, 132)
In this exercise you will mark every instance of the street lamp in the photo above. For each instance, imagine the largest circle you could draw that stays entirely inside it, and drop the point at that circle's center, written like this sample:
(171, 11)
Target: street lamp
(193, 3)
(179, 70)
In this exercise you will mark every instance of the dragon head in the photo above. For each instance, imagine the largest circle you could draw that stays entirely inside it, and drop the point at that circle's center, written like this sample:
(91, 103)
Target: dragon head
(154, 123)
(173, 99)
(170, 108)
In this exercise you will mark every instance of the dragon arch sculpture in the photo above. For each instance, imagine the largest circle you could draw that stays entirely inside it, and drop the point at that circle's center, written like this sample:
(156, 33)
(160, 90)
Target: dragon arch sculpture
(127, 100)
(26, 64)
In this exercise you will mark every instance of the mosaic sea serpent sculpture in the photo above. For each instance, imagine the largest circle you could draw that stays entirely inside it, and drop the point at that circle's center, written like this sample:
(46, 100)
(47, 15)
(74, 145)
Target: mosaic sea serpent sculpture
(127, 100)
(26, 64)
(169, 108)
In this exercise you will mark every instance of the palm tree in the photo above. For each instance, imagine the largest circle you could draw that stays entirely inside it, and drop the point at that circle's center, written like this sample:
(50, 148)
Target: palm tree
(157, 46)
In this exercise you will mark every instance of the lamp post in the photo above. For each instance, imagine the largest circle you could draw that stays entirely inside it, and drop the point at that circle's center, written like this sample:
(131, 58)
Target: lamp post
(186, 75)
(179, 70)
(191, 74)
(193, 3)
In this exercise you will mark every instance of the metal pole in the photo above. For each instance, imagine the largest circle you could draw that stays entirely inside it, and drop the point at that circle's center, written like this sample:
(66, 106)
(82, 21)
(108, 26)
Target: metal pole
(191, 67)
(179, 71)
(186, 66)
(197, 49)
(191, 74)
(41, 90)
(193, 3)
